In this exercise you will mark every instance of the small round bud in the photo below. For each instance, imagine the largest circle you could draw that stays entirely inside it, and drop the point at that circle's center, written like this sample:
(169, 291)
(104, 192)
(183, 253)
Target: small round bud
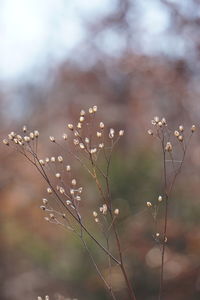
(193, 128)
(10, 136)
(181, 128)
(165, 239)
(52, 216)
(101, 145)
(79, 125)
(36, 133)
(76, 142)
(91, 110)
(73, 181)
(41, 161)
(116, 211)
(176, 133)
(96, 220)
(99, 134)
(81, 119)
(27, 139)
(121, 132)
(52, 139)
(164, 121)
(160, 199)
(82, 113)
(64, 136)
(24, 128)
(149, 204)
(5, 142)
(150, 132)
(68, 168)
(78, 198)
(68, 202)
(49, 190)
(80, 190)
(93, 151)
(70, 126)
(60, 159)
(153, 122)
(45, 201)
(61, 190)
(32, 136)
(157, 234)
(53, 159)
(46, 219)
(58, 175)
(76, 133)
(42, 207)
(81, 145)
(95, 214)
(168, 147)
(111, 133)
(180, 138)
(156, 119)
(87, 140)
(16, 141)
(47, 160)
(160, 124)
(94, 108)
(72, 191)
(101, 125)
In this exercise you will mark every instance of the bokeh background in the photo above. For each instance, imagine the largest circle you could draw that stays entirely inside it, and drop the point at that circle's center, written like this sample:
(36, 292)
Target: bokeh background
(134, 60)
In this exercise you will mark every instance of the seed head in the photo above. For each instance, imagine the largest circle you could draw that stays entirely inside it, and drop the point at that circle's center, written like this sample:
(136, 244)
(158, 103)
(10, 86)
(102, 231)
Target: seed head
(5, 142)
(49, 190)
(150, 132)
(81, 145)
(101, 145)
(64, 136)
(111, 133)
(68, 168)
(160, 199)
(24, 128)
(95, 214)
(87, 140)
(99, 134)
(168, 147)
(91, 110)
(116, 211)
(82, 113)
(36, 133)
(52, 139)
(70, 126)
(27, 139)
(176, 133)
(101, 125)
(180, 138)
(45, 201)
(58, 175)
(32, 136)
(41, 161)
(193, 128)
(61, 190)
(60, 159)
(181, 128)
(73, 181)
(94, 108)
(149, 204)
(121, 132)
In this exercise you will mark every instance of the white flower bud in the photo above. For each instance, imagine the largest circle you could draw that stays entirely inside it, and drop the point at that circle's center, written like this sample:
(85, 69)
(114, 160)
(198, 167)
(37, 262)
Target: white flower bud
(94, 150)
(116, 211)
(81, 145)
(159, 198)
(101, 145)
(49, 190)
(81, 119)
(68, 168)
(111, 133)
(64, 136)
(41, 161)
(60, 158)
(82, 113)
(27, 139)
(53, 159)
(101, 125)
(95, 214)
(24, 128)
(168, 147)
(94, 108)
(36, 133)
(45, 201)
(68, 202)
(5, 142)
(193, 128)
(180, 138)
(76, 142)
(79, 125)
(87, 140)
(150, 132)
(32, 136)
(58, 175)
(91, 110)
(70, 126)
(96, 220)
(176, 133)
(47, 160)
(73, 181)
(99, 134)
(156, 119)
(61, 190)
(52, 139)
(121, 132)
(149, 204)
(181, 128)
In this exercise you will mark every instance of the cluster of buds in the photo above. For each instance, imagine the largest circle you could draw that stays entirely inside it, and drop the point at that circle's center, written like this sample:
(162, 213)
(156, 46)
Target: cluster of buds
(159, 122)
(178, 135)
(103, 209)
(20, 140)
(95, 215)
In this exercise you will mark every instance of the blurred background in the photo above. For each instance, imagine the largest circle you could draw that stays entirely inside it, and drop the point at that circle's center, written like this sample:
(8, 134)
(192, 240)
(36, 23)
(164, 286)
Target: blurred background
(134, 60)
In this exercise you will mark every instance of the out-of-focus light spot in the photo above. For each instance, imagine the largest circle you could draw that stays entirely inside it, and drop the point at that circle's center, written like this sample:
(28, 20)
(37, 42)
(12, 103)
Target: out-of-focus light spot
(153, 257)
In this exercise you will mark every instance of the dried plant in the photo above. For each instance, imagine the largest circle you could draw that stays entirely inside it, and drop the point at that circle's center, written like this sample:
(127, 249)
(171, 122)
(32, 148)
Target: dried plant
(87, 142)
